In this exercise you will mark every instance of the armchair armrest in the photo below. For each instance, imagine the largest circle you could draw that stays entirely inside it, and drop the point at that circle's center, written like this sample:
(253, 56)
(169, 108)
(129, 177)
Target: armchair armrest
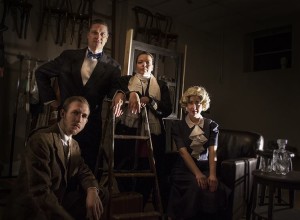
(236, 174)
(233, 171)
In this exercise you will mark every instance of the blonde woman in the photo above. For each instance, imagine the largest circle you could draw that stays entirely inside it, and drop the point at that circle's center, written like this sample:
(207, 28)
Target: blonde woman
(196, 192)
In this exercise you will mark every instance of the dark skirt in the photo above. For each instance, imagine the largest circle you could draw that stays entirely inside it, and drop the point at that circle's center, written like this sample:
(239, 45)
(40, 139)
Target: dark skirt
(188, 200)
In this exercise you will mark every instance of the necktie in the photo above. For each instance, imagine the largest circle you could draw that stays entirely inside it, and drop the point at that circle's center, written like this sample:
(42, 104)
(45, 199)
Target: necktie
(92, 55)
(67, 151)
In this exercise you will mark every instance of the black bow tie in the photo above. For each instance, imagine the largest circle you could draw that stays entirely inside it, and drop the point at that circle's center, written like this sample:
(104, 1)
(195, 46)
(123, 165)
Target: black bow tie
(92, 55)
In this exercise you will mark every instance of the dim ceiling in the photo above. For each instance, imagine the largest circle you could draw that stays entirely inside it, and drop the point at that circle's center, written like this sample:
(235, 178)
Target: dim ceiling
(210, 15)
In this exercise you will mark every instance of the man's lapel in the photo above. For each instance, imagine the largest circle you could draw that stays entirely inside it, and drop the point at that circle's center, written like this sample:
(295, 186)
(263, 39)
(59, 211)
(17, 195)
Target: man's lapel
(76, 67)
(74, 157)
(60, 152)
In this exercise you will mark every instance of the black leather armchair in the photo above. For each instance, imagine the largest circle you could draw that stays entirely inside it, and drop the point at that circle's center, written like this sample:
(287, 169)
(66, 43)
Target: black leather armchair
(236, 161)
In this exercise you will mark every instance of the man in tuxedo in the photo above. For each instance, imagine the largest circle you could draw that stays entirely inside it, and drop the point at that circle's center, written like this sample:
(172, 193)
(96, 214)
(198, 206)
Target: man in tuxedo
(51, 162)
(87, 72)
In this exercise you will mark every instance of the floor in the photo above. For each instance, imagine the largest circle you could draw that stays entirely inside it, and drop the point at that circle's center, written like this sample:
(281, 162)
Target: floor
(296, 163)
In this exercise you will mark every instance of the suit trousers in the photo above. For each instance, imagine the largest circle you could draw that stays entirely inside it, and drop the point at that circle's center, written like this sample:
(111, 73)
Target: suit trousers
(74, 202)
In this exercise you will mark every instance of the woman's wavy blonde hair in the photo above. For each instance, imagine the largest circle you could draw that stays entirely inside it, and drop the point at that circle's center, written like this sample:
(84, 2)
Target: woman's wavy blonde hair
(196, 91)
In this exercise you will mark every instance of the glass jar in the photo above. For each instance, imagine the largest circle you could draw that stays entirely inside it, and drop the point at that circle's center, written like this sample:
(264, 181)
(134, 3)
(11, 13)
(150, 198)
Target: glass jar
(281, 158)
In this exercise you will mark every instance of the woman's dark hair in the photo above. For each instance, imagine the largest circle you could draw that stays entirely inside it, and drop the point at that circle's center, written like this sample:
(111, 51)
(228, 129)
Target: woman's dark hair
(144, 53)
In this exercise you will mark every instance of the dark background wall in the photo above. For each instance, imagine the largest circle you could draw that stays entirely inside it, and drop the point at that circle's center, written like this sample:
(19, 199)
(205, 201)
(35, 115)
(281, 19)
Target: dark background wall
(266, 101)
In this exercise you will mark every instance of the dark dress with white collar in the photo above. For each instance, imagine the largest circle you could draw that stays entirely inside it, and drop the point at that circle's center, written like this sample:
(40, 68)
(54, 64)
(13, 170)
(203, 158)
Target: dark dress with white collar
(187, 199)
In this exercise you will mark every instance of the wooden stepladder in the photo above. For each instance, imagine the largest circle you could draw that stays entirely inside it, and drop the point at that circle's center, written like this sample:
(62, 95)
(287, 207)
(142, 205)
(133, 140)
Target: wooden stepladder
(143, 136)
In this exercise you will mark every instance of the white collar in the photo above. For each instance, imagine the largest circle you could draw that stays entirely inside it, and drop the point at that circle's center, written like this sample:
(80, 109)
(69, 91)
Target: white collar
(192, 124)
(65, 138)
(97, 51)
(143, 77)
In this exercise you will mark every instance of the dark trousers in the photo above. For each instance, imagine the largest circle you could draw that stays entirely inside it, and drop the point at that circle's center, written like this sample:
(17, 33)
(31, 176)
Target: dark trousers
(74, 202)
(89, 142)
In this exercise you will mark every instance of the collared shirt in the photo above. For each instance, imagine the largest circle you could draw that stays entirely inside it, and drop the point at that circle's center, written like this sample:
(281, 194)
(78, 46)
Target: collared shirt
(66, 140)
(97, 51)
(88, 67)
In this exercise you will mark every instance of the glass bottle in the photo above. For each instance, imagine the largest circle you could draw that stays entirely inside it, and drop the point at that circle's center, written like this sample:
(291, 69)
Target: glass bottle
(281, 158)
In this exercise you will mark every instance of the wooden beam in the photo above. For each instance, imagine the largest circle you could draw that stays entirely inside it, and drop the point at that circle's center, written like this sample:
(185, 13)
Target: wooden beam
(127, 56)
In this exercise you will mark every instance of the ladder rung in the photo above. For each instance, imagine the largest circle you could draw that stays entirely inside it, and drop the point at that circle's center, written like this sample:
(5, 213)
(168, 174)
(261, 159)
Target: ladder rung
(136, 137)
(105, 173)
(132, 171)
(137, 215)
(134, 174)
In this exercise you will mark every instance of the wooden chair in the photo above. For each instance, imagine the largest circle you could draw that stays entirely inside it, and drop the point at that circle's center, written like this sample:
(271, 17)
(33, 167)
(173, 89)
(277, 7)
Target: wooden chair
(164, 23)
(21, 8)
(3, 11)
(144, 25)
(59, 10)
(82, 18)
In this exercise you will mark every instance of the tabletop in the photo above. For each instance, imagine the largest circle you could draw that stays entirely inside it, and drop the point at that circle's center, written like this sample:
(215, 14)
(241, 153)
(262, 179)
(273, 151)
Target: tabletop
(289, 181)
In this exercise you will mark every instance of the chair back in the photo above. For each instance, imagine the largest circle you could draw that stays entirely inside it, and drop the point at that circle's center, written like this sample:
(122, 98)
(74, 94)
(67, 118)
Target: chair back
(161, 22)
(143, 20)
(234, 144)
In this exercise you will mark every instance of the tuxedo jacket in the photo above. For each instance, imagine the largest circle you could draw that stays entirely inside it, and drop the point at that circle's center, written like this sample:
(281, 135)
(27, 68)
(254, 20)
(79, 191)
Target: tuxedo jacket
(67, 68)
(44, 176)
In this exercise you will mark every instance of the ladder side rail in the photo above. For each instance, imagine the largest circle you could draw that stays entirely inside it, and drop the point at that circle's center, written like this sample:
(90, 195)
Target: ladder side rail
(139, 131)
(152, 164)
(111, 164)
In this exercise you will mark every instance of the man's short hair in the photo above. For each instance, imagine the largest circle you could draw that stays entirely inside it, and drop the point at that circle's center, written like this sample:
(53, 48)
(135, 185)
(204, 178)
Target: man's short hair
(72, 99)
(98, 21)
